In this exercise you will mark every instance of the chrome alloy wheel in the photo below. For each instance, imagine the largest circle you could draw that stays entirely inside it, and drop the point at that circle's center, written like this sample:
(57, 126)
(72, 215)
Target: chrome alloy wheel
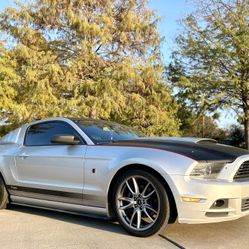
(138, 203)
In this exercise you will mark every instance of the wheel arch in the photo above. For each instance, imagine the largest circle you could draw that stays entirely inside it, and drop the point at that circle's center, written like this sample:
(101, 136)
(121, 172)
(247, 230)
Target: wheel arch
(1, 176)
(172, 202)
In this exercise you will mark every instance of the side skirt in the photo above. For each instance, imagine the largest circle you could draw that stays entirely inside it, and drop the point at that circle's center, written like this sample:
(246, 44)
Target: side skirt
(89, 211)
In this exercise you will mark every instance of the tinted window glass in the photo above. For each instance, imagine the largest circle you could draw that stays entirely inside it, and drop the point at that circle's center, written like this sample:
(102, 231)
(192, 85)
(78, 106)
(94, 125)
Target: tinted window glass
(103, 131)
(41, 134)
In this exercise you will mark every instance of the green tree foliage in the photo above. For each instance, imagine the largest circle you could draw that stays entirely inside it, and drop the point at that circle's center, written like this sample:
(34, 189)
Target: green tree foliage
(204, 126)
(8, 79)
(85, 58)
(193, 124)
(211, 66)
(235, 136)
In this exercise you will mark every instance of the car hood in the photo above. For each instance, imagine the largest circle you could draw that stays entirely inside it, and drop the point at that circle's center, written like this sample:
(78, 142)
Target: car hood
(197, 149)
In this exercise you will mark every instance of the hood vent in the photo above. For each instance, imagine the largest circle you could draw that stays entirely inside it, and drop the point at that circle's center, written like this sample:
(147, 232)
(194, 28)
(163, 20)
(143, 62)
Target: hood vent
(195, 140)
(206, 141)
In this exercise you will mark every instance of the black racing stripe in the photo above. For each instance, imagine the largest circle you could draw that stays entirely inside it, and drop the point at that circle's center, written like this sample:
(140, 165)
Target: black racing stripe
(14, 189)
(199, 152)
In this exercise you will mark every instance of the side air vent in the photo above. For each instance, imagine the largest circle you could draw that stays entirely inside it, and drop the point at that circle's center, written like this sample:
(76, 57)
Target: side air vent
(245, 205)
(243, 172)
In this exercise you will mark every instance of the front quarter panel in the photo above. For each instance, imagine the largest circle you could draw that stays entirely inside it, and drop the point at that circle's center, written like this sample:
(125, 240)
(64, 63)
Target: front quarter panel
(103, 162)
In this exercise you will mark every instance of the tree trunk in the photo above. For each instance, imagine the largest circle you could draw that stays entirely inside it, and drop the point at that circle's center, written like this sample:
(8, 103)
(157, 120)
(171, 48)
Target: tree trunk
(246, 127)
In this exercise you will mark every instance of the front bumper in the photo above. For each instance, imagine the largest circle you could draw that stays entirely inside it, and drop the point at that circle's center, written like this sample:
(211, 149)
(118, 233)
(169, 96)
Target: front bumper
(209, 191)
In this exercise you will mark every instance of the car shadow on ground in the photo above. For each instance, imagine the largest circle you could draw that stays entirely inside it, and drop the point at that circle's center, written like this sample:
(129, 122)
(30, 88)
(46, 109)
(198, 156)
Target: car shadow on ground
(97, 223)
(233, 234)
(91, 222)
(228, 234)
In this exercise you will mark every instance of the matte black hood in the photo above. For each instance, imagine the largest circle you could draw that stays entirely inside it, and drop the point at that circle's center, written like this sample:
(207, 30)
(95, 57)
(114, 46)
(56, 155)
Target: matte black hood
(204, 150)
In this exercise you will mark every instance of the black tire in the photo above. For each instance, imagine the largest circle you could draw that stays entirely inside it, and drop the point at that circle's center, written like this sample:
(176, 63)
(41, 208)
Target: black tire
(131, 204)
(4, 197)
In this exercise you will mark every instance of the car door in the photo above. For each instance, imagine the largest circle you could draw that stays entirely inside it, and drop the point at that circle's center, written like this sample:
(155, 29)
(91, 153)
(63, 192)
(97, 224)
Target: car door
(50, 171)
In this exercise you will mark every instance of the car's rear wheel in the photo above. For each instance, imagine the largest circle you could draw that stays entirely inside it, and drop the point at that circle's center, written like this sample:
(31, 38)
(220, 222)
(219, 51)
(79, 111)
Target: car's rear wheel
(3, 195)
(141, 203)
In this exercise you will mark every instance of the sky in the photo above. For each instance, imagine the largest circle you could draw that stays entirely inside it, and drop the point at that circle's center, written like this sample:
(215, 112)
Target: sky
(171, 12)
(5, 3)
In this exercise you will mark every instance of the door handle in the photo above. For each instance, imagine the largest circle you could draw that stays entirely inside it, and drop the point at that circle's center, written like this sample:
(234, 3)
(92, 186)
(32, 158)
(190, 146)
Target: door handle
(23, 156)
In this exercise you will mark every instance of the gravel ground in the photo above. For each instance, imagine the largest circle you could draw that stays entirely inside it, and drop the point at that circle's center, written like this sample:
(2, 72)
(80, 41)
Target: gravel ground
(26, 228)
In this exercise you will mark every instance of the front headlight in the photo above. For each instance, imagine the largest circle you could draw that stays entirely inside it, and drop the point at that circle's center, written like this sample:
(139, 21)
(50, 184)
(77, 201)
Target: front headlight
(207, 170)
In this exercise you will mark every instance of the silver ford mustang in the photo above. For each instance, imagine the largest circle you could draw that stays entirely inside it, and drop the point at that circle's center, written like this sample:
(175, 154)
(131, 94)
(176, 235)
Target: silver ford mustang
(104, 169)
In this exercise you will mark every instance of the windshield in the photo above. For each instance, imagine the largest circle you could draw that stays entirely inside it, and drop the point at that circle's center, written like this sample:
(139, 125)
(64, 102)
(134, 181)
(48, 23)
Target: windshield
(104, 131)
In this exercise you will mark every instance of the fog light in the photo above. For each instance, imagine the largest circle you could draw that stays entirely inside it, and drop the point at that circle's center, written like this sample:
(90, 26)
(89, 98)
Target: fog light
(191, 199)
(221, 203)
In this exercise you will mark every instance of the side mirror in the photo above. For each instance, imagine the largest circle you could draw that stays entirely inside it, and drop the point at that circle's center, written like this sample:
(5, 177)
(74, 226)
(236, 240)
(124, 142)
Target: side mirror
(65, 139)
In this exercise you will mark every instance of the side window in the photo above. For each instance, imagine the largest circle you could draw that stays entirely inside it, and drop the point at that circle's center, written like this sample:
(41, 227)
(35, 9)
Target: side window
(41, 134)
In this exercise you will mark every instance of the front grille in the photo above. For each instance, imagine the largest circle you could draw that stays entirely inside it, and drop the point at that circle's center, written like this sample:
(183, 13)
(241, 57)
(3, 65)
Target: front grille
(245, 204)
(243, 172)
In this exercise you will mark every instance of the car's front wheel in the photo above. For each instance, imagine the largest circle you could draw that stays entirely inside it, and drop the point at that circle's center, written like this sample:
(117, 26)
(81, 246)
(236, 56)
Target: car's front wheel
(141, 203)
(3, 195)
